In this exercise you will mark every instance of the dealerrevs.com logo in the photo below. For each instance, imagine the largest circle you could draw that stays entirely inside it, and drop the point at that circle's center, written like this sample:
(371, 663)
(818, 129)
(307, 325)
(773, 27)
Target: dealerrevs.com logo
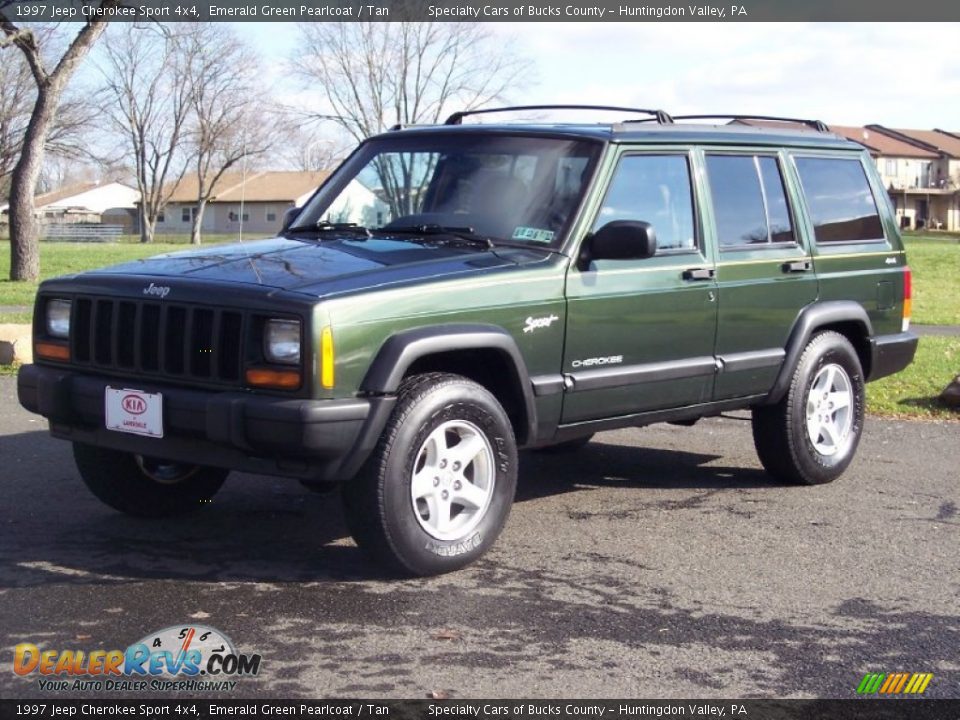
(181, 658)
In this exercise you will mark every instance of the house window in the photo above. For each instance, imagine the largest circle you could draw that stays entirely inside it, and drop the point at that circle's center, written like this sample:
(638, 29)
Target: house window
(271, 216)
(161, 218)
(187, 214)
(233, 217)
(891, 167)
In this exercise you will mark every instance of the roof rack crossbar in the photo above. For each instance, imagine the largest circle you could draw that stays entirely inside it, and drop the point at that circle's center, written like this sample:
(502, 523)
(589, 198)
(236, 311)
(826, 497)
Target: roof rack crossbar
(817, 125)
(661, 116)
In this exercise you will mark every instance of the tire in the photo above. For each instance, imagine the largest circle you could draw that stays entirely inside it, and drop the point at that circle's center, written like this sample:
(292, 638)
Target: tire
(812, 434)
(402, 508)
(567, 445)
(145, 487)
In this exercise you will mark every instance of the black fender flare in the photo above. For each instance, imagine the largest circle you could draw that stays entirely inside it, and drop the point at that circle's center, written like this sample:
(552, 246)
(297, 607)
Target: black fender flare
(812, 318)
(402, 349)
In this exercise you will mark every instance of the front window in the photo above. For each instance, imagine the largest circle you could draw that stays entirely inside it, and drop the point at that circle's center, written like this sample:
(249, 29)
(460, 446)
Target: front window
(506, 188)
(655, 189)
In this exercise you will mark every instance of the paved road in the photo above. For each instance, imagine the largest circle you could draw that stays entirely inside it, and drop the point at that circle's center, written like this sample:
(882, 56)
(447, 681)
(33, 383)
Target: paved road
(658, 562)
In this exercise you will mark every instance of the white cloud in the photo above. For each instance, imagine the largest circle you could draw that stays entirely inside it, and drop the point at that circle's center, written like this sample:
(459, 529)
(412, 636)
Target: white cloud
(847, 73)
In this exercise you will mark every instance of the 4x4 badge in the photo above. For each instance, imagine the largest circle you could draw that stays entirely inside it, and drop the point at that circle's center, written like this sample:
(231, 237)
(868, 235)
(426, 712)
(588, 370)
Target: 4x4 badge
(537, 323)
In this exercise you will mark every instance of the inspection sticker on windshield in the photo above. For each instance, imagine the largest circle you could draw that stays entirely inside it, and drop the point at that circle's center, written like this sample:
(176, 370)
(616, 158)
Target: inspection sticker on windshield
(134, 411)
(534, 234)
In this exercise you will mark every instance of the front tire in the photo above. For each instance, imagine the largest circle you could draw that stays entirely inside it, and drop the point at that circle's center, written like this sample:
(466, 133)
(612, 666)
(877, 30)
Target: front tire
(811, 436)
(143, 486)
(437, 490)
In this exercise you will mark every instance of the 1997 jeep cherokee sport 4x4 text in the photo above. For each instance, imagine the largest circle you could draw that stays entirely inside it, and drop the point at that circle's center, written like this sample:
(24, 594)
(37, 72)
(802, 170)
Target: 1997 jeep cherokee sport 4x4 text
(453, 293)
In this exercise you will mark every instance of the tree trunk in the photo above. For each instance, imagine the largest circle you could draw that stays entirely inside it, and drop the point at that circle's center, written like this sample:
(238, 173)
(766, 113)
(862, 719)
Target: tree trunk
(24, 245)
(195, 238)
(145, 235)
(24, 248)
(148, 232)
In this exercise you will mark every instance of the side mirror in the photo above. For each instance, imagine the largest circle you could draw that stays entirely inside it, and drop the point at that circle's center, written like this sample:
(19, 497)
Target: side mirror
(289, 216)
(621, 240)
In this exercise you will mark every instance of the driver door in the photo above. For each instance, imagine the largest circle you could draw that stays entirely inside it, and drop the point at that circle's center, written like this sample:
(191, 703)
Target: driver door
(640, 333)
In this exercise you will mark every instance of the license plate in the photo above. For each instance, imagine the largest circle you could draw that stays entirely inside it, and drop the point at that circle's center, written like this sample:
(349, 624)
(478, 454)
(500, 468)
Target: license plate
(134, 411)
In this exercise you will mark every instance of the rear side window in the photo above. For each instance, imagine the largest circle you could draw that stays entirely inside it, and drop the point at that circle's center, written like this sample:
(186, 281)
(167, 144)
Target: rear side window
(655, 189)
(841, 204)
(749, 202)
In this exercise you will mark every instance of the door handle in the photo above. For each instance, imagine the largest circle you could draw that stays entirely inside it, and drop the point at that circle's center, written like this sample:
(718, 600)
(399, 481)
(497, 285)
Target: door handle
(796, 267)
(699, 274)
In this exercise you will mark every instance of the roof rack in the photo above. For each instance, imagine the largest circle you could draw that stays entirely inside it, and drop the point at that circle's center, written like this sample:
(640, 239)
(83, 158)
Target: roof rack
(660, 116)
(817, 125)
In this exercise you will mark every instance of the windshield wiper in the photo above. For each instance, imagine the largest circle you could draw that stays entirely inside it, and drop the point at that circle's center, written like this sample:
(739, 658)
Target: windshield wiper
(463, 233)
(322, 226)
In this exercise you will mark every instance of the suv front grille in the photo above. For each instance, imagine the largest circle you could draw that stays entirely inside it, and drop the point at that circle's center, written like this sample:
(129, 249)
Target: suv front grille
(185, 342)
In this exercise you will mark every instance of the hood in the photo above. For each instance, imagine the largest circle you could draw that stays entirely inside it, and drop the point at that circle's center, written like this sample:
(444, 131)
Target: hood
(324, 268)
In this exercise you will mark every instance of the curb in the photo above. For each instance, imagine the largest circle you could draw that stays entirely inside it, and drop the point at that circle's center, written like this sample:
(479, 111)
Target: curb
(16, 344)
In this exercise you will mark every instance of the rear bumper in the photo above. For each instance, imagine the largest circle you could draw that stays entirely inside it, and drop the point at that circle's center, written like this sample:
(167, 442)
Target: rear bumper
(890, 354)
(308, 439)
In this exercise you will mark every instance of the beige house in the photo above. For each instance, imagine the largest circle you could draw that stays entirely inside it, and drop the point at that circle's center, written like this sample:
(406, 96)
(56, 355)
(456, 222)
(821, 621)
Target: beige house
(254, 202)
(937, 195)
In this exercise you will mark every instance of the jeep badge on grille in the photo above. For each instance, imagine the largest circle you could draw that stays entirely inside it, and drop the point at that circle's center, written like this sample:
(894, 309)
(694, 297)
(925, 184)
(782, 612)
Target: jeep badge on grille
(159, 290)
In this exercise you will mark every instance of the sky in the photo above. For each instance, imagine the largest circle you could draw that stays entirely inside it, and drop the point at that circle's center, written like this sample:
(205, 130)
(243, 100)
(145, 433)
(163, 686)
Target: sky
(894, 74)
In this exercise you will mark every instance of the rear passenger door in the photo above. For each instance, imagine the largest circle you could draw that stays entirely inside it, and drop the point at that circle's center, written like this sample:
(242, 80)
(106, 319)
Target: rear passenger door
(765, 273)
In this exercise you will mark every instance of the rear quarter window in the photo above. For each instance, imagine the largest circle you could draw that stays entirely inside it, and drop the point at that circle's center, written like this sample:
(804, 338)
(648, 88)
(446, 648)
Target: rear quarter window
(841, 204)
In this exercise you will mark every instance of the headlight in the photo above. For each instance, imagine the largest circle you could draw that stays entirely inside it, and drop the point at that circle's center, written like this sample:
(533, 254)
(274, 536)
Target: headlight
(281, 341)
(58, 318)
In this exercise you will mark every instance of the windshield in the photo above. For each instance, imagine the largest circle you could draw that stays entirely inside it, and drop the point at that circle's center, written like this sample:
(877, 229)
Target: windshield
(507, 188)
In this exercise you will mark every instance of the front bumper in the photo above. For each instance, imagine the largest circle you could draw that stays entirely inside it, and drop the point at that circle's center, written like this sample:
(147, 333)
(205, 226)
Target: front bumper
(890, 354)
(320, 440)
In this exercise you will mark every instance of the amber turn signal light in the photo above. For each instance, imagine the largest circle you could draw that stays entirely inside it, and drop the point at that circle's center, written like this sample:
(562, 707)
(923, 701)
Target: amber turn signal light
(283, 379)
(52, 351)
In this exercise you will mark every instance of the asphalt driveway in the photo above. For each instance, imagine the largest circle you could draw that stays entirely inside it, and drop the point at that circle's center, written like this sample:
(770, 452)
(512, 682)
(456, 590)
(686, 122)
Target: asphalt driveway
(658, 562)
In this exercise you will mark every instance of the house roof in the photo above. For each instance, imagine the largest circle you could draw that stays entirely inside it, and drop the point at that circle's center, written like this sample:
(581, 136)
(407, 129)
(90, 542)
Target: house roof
(264, 186)
(64, 193)
(882, 144)
(875, 141)
(935, 141)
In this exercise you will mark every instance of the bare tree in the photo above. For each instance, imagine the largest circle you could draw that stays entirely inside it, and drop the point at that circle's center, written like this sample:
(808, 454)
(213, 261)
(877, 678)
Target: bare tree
(229, 122)
(302, 151)
(65, 139)
(374, 75)
(148, 102)
(50, 84)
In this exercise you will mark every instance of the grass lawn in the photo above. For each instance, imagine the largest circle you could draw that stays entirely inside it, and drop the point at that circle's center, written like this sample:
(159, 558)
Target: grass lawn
(63, 258)
(935, 261)
(913, 392)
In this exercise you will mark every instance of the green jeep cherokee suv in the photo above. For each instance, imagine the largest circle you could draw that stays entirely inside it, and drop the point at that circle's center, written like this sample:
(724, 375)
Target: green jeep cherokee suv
(454, 293)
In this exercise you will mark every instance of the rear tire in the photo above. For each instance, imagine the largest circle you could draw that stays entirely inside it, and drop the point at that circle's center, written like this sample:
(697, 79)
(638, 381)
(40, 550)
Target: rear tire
(145, 487)
(811, 436)
(437, 490)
